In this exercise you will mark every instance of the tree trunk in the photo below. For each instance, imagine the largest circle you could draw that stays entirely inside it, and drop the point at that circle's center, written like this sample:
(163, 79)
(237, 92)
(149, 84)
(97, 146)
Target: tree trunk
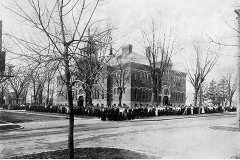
(120, 98)
(88, 97)
(48, 90)
(195, 97)
(51, 99)
(34, 93)
(17, 99)
(230, 102)
(200, 101)
(153, 95)
(40, 97)
(70, 104)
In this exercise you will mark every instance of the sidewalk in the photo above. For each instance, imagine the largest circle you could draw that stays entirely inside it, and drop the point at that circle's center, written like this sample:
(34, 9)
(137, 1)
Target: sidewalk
(171, 117)
(57, 123)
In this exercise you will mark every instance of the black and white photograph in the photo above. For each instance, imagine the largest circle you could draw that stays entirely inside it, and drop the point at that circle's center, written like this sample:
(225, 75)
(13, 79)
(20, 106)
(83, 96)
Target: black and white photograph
(129, 79)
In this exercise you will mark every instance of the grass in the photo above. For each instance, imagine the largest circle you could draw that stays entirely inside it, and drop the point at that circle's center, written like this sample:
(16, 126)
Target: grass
(16, 117)
(89, 153)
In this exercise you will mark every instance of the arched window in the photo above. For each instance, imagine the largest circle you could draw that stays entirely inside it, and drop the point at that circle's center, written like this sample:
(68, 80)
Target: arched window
(141, 76)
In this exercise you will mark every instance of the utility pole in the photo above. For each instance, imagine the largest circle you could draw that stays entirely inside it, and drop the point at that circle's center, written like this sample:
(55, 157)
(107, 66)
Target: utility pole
(238, 70)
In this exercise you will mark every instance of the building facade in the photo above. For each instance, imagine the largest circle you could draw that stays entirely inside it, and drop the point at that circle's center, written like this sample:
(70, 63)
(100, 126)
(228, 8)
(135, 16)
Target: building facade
(137, 89)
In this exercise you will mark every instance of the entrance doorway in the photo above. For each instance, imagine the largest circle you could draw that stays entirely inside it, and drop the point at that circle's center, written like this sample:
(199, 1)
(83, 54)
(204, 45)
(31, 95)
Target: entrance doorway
(80, 101)
(165, 100)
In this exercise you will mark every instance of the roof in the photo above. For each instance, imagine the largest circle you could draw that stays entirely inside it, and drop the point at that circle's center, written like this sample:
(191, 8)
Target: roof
(127, 58)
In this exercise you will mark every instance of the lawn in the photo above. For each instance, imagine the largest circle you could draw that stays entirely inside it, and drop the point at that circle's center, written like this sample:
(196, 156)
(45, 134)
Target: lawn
(21, 117)
(89, 153)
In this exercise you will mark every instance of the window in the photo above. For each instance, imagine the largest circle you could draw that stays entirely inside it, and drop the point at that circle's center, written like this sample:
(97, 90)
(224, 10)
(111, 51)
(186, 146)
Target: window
(98, 94)
(135, 76)
(150, 80)
(140, 76)
(102, 94)
(147, 78)
(174, 96)
(114, 91)
(140, 95)
(135, 94)
(143, 95)
(143, 77)
(155, 95)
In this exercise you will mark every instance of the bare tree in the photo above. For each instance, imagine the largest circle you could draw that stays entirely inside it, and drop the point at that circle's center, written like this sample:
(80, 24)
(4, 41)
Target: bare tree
(50, 86)
(38, 79)
(121, 74)
(200, 64)
(61, 27)
(160, 43)
(94, 59)
(231, 85)
(19, 83)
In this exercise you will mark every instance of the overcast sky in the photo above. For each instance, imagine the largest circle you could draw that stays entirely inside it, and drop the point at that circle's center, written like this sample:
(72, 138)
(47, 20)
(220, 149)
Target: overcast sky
(192, 18)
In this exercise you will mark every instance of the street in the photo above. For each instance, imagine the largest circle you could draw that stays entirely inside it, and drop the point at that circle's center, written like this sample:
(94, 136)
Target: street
(169, 138)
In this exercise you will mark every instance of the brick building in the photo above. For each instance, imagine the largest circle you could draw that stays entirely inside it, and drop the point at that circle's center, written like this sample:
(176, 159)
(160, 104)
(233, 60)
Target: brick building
(138, 87)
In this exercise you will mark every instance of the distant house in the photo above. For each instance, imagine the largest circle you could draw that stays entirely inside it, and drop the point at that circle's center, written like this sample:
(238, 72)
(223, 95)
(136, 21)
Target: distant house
(10, 98)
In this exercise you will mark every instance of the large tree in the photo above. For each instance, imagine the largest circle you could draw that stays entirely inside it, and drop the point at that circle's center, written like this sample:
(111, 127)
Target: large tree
(59, 32)
(121, 74)
(94, 57)
(199, 64)
(160, 43)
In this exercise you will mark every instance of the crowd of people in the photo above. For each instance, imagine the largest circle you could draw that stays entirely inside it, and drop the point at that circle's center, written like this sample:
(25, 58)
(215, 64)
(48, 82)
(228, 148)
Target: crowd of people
(119, 113)
(114, 113)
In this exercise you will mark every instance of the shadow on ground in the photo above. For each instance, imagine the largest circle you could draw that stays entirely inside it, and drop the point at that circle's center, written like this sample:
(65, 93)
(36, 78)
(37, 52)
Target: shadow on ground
(9, 127)
(89, 153)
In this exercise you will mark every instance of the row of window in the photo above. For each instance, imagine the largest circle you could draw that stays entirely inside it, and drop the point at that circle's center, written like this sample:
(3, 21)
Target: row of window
(179, 81)
(178, 97)
(139, 94)
(97, 94)
(142, 94)
(145, 77)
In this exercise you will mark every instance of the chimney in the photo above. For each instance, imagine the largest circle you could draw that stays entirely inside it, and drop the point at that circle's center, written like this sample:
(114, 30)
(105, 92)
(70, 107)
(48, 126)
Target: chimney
(127, 49)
